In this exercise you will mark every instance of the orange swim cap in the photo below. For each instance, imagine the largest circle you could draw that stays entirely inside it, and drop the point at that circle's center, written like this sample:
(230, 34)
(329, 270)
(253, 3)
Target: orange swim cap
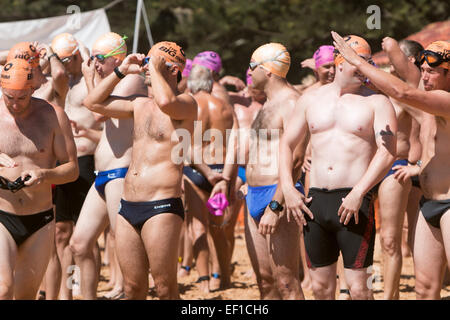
(273, 57)
(172, 53)
(358, 44)
(442, 48)
(111, 44)
(25, 51)
(64, 45)
(16, 75)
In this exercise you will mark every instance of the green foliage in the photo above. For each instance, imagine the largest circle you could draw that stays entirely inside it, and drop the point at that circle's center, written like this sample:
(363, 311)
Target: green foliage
(235, 28)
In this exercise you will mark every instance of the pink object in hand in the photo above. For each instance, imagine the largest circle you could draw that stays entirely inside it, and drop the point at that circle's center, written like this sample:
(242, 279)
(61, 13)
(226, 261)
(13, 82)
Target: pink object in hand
(217, 204)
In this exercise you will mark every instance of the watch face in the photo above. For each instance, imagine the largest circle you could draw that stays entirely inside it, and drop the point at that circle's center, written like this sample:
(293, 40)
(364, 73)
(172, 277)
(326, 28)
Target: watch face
(273, 205)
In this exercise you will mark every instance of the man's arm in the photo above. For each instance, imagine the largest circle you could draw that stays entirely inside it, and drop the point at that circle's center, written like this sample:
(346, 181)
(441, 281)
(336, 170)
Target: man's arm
(435, 101)
(405, 69)
(178, 107)
(58, 72)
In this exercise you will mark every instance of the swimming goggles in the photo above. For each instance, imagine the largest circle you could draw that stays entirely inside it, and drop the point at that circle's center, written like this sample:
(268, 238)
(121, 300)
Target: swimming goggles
(13, 186)
(434, 59)
(114, 52)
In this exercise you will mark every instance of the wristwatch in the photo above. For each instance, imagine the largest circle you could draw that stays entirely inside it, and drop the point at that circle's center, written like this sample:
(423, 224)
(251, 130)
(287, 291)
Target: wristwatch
(275, 206)
(419, 163)
(52, 55)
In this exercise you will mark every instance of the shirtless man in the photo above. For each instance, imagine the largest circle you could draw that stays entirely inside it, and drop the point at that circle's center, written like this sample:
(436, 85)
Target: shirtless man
(112, 158)
(215, 117)
(35, 136)
(353, 145)
(272, 243)
(431, 239)
(392, 192)
(151, 210)
(69, 198)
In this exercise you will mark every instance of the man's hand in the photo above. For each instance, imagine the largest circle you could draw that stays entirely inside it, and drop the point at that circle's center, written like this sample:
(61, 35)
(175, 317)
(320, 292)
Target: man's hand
(388, 44)
(233, 81)
(306, 166)
(6, 161)
(269, 222)
(220, 187)
(402, 173)
(350, 207)
(37, 176)
(78, 130)
(309, 63)
(295, 206)
(213, 177)
(345, 50)
(132, 64)
(158, 64)
(88, 70)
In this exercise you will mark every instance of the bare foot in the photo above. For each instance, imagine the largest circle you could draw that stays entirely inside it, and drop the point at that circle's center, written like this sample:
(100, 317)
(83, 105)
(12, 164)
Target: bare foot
(184, 271)
(203, 284)
(114, 294)
(214, 283)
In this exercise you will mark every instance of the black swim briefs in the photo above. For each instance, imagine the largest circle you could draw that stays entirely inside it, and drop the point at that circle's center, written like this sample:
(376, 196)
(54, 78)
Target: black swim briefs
(198, 179)
(433, 210)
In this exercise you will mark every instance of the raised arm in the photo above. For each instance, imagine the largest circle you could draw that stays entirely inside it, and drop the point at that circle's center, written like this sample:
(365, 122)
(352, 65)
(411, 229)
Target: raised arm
(101, 101)
(58, 72)
(404, 68)
(178, 107)
(436, 102)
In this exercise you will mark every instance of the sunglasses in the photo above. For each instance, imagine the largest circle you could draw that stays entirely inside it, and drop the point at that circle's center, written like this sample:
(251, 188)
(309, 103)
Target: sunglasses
(114, 52)
(254, 64)
(13, 186)
(433, 59)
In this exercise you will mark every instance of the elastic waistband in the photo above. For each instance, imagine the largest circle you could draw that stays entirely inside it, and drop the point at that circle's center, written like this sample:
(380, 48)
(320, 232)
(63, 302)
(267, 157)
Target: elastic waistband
(104, 173)
(148, 203)
(338, 190)
(27, 215)
(262, 187)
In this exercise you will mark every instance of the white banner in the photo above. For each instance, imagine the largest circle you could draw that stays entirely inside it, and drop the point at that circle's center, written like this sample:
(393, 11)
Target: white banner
(85, 26)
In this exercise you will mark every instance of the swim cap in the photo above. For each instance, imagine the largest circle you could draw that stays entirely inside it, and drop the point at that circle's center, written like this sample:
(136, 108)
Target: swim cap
(171, 52)
(209, 59)
(111, 43)
(442, 48)
(324, 54)
(274, 57)
(248, 78)
(16, 75)
(187, 68)
(25, 51)
(64, 45)
(356, 43)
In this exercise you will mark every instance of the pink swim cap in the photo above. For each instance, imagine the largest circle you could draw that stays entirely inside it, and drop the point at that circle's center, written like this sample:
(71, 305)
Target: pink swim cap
(217, 204)
(209, 59)
(323, 55)
(248, 78)
(187, 68)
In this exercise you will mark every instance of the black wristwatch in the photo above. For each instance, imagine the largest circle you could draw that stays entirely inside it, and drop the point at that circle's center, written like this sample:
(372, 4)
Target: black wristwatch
(119, 74)
(275, 206)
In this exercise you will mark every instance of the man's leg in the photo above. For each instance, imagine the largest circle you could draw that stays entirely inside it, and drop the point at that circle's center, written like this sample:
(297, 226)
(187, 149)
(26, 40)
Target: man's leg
(113, 193)
(412, 211)
(161, 238)
(429, 260)
(196, 199)
(284, 252)
(64, 230)
(393, 198)
(91, 223)
(260, 260)
(8, 253)
(323, 280)
(132, 259)
(53, 274)
(344, 291)
(445, 231)
(32, 260)
(358, 281)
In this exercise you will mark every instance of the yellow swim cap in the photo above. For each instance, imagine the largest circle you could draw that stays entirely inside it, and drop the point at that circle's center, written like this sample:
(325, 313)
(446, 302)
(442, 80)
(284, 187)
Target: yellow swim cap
(25, 51)
(273, 57)
(111, 44)
(17, 75)
(64, 45)
(358, 44)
